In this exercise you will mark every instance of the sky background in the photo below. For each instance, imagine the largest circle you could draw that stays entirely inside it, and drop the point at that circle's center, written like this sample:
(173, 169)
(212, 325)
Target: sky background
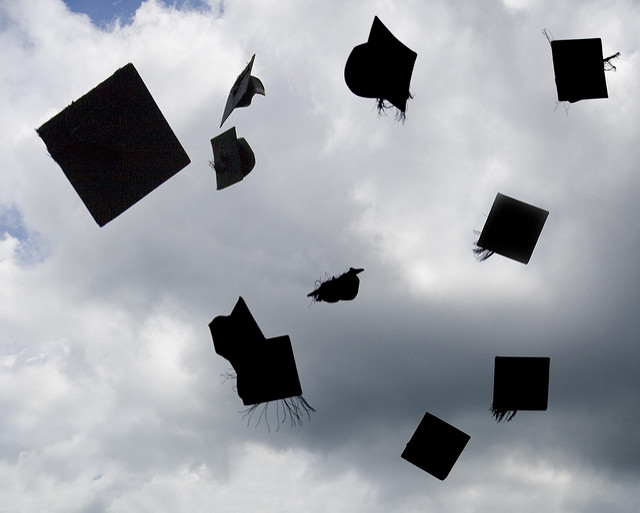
(111, 396)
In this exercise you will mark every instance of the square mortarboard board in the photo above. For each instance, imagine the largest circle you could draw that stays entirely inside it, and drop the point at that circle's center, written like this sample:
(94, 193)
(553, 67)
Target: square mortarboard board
(381, 68)
(512, 228)
(265, 368)
(114, 145)
(233, 158)
(435, 446)
(520, 383)
(578, 65)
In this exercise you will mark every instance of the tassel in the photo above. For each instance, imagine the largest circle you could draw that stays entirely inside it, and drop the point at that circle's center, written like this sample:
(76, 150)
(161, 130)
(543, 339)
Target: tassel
(499, 415)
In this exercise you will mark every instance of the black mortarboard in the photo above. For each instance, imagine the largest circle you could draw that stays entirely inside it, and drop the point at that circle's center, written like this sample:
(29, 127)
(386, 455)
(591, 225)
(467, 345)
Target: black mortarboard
(381, 68)
(435, 446)
(512, 229)
(265, 368)
(114, 145)
(578, 65)
(242, 91)
(344, 287)
(519, 383)
(233, 158)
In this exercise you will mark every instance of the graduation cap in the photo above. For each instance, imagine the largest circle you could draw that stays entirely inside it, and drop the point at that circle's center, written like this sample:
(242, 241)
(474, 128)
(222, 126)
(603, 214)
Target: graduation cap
(519, 383)
(233, 158)
(512, 230)
(339, 288)
(381, 68)
(242, 91)
(265, 368)
(114, 145)
(579, 69)
(435, 446)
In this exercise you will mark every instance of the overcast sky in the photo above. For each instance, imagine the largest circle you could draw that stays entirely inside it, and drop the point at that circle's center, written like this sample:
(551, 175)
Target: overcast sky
(111, 398)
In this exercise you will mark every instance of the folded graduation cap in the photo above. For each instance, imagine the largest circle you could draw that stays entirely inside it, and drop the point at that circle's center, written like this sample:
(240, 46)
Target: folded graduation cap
(381, 68)
(512, 229)
(233, 158)
(344, 287)
(435, 446)
(114, 145)
(579, 69)
(265, 368)
(519, 383)
(242, 91)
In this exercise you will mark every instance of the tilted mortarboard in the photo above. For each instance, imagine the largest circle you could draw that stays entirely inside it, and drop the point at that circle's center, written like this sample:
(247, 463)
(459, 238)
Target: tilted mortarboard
(233, 158)
(579, 67)
(519, 383)
(435, 446)
(381, 68)
(114, 145)
(512, 229)
(242, 91)
(339, 288)
(265, 368)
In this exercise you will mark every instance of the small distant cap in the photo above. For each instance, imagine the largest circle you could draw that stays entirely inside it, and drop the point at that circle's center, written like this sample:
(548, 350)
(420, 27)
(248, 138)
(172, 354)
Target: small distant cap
(435, 446)
(381, 68)
(512, 228)
(233, 158)
(265, 368)
(242, 91)
(114, 145)
(578, 65)
(520, 383)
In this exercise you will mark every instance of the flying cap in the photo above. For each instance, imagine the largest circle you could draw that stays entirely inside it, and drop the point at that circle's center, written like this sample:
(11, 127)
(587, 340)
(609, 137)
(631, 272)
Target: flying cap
(242, 91)
(114, 145)
(233, 158)
(519, 383)
(265, 368)
(579, 68)
(435, 446)
(381, 68)
(339, 288)
(512, 229)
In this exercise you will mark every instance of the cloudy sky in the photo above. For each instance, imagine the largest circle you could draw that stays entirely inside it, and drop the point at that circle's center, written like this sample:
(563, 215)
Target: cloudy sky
(111, 396)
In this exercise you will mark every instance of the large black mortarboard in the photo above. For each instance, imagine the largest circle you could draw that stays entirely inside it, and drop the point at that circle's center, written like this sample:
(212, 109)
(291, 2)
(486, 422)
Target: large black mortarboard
(435, 446)
(578, 65)
(512, 229)
(233, 158)
(242, 91)
(381, 68)
(114, 145)
(265, 368)
(339, 288)
(519, 383)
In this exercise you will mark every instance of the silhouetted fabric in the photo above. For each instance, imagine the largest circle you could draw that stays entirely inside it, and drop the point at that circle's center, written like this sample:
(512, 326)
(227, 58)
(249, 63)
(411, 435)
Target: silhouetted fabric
(578, 65)
(512, 229)
(114, 145)
(265, 368)
(242, 91)
(381, 68)
(339, 288)
(233, 158)
(435, 446)
(519, 383)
